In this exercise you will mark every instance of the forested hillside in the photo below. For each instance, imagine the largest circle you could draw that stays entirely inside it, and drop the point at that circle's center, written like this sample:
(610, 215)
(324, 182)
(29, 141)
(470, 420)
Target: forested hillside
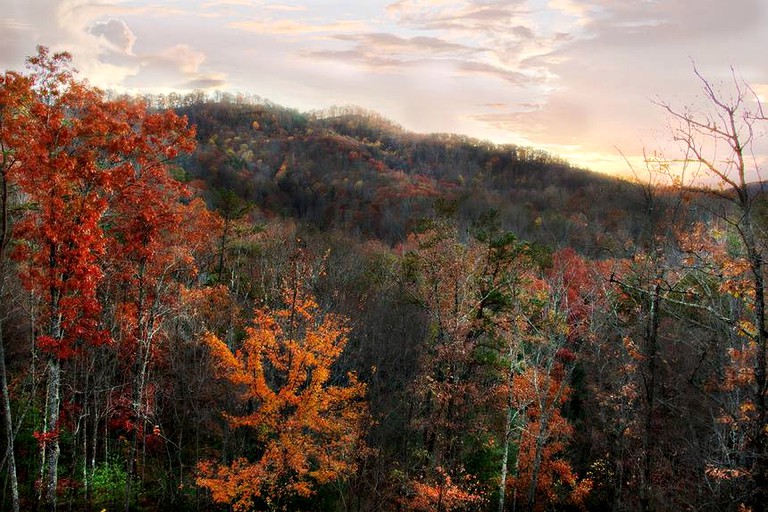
(351, 169)
(222, 304)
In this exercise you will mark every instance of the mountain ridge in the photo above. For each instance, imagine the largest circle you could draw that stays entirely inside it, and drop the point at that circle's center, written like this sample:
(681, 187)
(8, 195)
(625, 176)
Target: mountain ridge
(352, 168)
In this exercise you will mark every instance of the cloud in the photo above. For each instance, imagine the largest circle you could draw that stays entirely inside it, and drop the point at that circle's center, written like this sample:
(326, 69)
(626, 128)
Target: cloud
(283, 7)
(225, 3)
(558, 121)
(15, 25)
(600, 61)
(123, 45)
(404, 7)
(205, 82)
(116, 33)
(461, 16)
(406, 48)
(419, 44)
(510, 34)
(450, 60)
(385, 52)
(511, 76)
(296, 27)
(373, 61)
(178, 67)
(14, 35)
(523, 32)
(632, 22)
(582, 12)
(181, 57)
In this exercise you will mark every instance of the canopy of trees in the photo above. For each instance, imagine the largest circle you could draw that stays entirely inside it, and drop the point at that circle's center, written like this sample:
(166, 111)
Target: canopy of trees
(222, 304)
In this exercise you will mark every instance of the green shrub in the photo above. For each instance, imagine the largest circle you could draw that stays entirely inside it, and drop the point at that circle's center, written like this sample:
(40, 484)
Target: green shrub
(108, 483)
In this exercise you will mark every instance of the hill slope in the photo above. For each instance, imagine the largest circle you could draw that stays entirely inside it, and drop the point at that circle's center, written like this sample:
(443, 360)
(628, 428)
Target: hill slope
(352, 169)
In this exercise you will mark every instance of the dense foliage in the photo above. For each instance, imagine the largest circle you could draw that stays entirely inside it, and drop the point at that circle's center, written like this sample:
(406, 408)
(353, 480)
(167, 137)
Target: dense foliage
(222, 304)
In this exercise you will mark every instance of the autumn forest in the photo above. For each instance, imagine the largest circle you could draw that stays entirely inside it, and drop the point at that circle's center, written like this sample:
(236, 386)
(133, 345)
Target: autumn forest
(212, 302)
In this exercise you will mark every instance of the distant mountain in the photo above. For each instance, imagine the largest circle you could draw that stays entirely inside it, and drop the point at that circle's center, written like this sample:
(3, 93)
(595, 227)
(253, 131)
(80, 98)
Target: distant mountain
(352, 169)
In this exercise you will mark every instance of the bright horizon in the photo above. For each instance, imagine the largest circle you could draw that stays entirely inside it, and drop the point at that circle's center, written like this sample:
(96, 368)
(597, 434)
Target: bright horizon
(575, 78)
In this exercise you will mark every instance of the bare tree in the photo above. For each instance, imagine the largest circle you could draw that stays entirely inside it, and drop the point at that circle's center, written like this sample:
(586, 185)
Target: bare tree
(719, 142)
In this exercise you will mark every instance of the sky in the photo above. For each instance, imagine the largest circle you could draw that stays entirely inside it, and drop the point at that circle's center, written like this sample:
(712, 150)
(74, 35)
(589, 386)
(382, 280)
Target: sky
(577, 78)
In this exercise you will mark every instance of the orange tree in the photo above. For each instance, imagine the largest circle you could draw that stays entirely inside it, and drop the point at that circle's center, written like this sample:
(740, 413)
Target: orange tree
(306, 423)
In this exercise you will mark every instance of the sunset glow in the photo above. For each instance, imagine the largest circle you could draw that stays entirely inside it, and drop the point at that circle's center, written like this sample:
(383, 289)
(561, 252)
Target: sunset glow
(574, 77)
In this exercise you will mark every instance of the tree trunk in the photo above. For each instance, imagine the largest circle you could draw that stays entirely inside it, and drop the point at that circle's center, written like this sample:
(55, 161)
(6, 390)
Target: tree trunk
(651, 339)
(139, 384)
(9, 430)
(5, 236)
(51, 444)
(516, 472)
(505, 458)
(138, 372)
(758, 440)
(507, 436)
(543, 425)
